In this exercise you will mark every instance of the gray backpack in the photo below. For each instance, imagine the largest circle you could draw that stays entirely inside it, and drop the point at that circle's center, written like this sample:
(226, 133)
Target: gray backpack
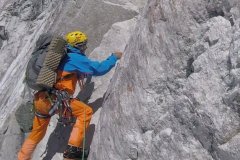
(41, 68)
(40, 74)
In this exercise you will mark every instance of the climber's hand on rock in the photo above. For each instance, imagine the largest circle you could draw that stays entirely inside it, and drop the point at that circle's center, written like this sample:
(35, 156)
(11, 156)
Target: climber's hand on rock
(118, 54)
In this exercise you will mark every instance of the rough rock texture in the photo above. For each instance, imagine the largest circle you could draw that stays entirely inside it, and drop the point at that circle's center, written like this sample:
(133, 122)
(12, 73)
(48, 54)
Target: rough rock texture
(175, 94)
(9, 139)
(36, 17)
(21, 23)
(95, 17)
(57, 136)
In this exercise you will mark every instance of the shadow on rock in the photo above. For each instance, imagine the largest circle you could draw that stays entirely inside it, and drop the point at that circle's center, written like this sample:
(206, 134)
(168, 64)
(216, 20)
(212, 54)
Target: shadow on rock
(85, 94)
(57, 141)
(89, 135)
(96, 104)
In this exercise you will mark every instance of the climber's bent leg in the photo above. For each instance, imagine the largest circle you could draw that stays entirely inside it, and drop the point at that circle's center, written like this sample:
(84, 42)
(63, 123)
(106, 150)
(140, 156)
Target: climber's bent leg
(42, 105)
(83, 113)
(36, 135)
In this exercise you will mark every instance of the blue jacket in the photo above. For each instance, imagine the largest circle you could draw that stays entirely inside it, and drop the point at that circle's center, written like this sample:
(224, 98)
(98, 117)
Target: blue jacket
(78, 62)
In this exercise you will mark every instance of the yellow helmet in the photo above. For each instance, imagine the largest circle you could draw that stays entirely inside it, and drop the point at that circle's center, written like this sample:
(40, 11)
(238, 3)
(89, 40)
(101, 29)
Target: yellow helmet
(76, 37)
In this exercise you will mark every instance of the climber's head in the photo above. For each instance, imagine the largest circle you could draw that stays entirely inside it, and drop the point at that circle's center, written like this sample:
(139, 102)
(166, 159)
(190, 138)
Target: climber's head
(78, 40)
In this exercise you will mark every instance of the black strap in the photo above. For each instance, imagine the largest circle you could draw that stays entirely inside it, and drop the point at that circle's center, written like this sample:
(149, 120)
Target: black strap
(65, 77)
(56, 105)
(59, 105)
(40, 115)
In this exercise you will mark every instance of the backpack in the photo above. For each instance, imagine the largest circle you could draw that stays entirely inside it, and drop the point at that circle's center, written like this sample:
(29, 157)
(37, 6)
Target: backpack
(41, 68)
(40, 74)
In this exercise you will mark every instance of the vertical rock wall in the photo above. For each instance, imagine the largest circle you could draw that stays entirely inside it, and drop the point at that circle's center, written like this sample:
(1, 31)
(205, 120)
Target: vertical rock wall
(23, 21)
(175, 94)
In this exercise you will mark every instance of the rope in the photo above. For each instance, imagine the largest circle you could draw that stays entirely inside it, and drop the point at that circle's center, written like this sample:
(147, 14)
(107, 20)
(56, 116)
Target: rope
(84, 132)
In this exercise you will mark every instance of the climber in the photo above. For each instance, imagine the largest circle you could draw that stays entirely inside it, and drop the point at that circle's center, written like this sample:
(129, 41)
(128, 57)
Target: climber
(74, 66)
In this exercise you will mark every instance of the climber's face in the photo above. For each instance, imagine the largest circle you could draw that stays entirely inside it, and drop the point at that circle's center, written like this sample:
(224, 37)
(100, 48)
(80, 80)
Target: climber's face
(81, 47)
(85, 47)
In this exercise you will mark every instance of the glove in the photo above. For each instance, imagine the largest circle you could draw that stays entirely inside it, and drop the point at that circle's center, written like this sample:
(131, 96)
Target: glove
(118, 54)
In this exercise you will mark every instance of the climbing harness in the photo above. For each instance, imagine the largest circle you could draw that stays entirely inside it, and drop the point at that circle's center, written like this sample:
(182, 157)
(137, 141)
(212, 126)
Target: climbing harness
(59, 100)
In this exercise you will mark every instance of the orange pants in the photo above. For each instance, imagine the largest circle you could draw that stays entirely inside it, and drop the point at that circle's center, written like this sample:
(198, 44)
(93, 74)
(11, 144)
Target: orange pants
(79, 110)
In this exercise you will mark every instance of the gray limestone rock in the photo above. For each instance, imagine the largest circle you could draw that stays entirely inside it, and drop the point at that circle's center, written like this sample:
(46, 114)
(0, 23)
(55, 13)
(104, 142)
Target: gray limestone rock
(95, 17)
(174, 94)
(11, 139)
(25, 21)
(3, 33)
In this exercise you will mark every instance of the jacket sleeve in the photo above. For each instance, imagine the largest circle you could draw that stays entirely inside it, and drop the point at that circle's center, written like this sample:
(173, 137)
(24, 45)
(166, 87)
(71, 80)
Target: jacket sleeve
(101, 68)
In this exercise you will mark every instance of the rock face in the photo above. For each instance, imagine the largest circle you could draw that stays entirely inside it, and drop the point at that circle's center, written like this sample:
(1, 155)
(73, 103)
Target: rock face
(21, 23)
(57, 136)
(174, 94)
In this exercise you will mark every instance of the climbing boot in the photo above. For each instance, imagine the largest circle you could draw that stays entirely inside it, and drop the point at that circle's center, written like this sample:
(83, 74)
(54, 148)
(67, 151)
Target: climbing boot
(73, 152)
